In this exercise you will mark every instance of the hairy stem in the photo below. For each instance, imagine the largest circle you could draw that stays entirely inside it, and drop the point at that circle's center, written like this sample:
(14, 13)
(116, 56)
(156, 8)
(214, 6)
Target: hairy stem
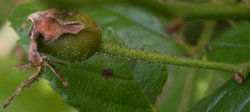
(165, 59)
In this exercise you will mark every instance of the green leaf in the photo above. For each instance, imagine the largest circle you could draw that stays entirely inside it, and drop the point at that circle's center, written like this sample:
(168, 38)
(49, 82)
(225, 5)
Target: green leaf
(233, 46)
(91, 91)
(231, 97)
(135, 26)
(179, 90)
(133, 85)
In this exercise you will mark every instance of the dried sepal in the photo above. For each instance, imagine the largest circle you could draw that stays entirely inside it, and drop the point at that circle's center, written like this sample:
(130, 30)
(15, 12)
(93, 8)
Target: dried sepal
(49, 25)
(25, 84)
(47, 33)
(45, 24)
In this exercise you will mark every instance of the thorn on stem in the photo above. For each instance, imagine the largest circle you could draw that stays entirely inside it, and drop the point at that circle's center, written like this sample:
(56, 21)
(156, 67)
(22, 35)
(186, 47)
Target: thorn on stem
(238, 77)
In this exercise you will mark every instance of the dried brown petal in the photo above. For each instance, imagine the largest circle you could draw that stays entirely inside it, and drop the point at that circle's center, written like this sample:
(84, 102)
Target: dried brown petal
(47, 24)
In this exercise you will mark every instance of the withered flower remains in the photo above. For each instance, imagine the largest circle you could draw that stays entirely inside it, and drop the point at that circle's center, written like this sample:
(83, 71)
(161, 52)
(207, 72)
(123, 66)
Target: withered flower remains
(50, 25)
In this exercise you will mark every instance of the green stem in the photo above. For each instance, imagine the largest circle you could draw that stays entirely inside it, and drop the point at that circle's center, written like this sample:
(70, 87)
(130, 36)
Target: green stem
(212, 11)
(181, 10)
(206, 35)
(165, 59)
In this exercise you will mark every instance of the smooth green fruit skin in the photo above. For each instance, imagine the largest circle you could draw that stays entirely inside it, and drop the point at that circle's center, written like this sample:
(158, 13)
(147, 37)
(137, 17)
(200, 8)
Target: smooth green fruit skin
(71, 47)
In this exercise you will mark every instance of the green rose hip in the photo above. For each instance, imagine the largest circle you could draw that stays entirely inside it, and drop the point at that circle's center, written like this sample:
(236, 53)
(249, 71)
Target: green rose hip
(70, 36)
(73, 47)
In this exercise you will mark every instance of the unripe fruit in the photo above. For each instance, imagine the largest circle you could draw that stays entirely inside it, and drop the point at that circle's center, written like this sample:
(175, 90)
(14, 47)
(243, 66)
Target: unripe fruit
(66, 35)
(69, 46)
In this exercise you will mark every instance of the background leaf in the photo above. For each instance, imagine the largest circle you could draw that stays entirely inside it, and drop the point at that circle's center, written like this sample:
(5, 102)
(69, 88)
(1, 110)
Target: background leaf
(200, 83)
(134, 86)
(5, 9)
(134, 26)
(231, 97)
(233, 46)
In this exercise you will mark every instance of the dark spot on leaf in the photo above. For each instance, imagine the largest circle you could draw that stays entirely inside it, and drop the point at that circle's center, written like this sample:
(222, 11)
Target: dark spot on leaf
(107, 73)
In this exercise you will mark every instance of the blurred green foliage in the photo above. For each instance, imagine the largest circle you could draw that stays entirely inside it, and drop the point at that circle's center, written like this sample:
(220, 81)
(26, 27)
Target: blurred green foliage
(231, 97)
(234, 43)
(38, 98)
(5, 9)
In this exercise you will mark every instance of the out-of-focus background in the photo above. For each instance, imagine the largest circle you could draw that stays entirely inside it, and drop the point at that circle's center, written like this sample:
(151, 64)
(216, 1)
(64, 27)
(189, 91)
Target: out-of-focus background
(39, 97)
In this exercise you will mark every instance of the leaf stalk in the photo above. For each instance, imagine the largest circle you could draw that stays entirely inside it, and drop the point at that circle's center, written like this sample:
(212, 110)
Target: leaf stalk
(124, 51)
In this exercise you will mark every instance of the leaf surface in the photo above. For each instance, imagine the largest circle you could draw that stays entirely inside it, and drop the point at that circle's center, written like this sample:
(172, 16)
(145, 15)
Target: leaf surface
(133, 85)
(232, 47)
(231, 97)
